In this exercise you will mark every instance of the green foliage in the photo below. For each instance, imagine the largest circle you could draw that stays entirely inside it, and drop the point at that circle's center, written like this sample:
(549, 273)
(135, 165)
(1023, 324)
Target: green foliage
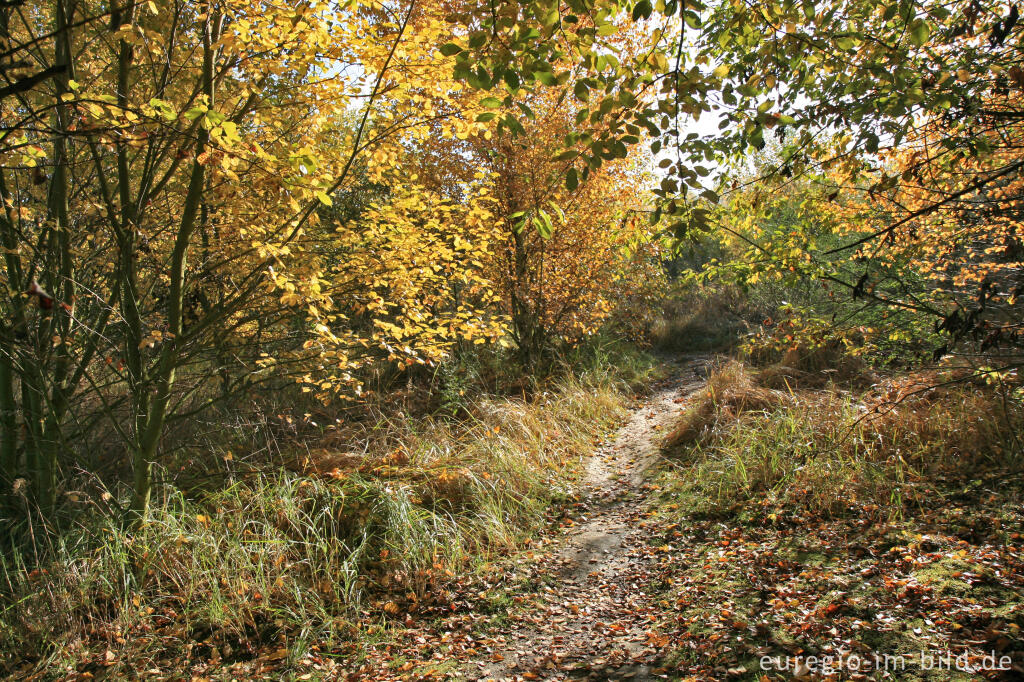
(892, 103)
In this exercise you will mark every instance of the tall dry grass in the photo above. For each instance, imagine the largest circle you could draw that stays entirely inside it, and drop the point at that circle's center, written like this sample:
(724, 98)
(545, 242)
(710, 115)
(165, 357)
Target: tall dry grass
(295, 555)
(831, 450)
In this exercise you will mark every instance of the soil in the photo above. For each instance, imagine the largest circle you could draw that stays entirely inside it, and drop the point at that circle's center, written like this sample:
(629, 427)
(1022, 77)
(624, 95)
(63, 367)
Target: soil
(596, 613)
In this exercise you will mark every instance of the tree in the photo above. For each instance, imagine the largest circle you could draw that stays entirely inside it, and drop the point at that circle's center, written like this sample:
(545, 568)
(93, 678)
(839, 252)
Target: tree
(847, 84)
(573, 240)
(566, 251)
(165, 200)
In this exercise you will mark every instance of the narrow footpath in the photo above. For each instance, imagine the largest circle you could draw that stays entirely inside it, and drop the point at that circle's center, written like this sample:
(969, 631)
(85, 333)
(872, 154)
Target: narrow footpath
(596, 615)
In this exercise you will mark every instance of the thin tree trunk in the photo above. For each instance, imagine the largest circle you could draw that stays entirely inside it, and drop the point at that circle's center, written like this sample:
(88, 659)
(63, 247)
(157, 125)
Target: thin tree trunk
(8, 419)
(164, 377)
(17, 325)
(53, 407)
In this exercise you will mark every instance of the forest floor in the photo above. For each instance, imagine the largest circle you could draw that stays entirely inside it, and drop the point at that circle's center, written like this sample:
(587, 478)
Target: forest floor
(630, 582)
(579, 603)
(630, 585)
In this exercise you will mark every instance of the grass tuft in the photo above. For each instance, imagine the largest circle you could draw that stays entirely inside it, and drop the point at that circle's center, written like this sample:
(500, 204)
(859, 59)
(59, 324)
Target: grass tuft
(829, 451)
(376, 523)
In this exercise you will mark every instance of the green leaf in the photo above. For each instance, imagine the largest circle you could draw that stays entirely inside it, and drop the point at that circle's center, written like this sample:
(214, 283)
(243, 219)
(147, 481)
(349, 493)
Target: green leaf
(486, 117)
(512, 80)
(871, 142)
(481, 79)
(450, 49)
(490, 102)
(572, 180)
(543, 224)
(164, 108)
(545, 77)
(581, 91)
(514, 125)
(519, 218)
(557, 209)
(920, 32)
(642, 10)
(477, 39)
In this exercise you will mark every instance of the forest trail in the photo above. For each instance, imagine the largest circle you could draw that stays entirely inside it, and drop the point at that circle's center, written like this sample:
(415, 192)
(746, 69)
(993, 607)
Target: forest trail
(594, 618)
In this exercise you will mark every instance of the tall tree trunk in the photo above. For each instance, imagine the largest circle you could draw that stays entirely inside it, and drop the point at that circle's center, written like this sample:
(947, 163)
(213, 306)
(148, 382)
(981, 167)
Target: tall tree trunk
(153, 417)
(54, 403)
(16, 334)
(8, 402)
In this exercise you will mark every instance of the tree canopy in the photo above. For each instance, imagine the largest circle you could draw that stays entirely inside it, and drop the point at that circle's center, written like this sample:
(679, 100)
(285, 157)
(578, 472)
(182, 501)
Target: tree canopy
(235, 195)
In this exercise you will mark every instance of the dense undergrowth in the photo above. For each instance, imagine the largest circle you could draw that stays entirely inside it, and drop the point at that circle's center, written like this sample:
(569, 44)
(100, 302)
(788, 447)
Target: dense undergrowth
(702, 319)
(835, 437)
(388, 511)
(843, 524)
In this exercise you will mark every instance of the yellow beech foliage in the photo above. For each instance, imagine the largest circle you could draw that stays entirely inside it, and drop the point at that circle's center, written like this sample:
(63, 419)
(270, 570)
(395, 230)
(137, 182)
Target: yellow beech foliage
(405, 281)
(568, 253)
(212, 194)
(203, 199)
(568, 256)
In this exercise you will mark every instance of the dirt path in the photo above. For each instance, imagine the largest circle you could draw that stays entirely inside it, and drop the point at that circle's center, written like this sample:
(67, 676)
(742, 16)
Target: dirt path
(595, 618)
